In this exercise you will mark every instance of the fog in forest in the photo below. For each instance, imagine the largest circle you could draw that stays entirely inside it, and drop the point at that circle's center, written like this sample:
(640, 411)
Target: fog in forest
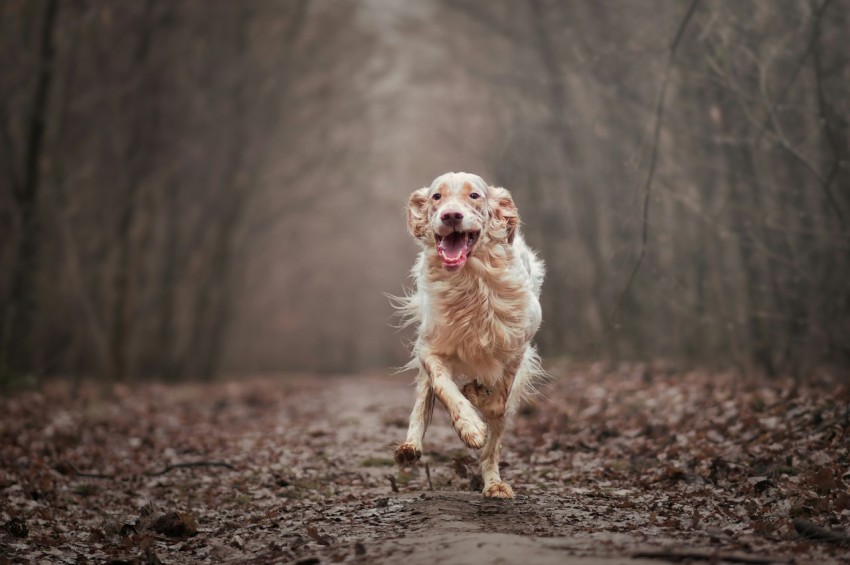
(201, 188)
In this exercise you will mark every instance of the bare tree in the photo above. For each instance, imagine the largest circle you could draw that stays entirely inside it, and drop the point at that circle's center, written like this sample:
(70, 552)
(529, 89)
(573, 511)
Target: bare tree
(17, 347)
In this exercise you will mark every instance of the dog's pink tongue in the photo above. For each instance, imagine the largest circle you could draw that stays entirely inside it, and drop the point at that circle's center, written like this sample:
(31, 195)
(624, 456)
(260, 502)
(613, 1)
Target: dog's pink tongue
(453, 245)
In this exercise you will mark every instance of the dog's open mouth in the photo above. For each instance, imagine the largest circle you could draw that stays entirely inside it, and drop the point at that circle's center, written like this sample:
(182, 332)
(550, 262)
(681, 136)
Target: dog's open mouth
(454, 248)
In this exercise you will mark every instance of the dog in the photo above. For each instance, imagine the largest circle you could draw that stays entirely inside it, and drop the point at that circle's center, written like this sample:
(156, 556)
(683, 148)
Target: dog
(476, 308)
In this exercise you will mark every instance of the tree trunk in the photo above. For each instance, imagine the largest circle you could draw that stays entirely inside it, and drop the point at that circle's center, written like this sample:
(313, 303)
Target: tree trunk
(17, 350)
(122, 304)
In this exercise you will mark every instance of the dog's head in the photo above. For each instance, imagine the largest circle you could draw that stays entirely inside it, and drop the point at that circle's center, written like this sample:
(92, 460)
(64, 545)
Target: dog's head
(458, 213)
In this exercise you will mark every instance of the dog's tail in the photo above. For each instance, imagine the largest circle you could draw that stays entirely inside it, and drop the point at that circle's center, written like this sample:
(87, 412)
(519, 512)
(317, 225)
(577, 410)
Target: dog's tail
(528, 379)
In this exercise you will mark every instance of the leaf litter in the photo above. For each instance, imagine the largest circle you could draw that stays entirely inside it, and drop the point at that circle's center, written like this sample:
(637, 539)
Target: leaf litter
(626, 460)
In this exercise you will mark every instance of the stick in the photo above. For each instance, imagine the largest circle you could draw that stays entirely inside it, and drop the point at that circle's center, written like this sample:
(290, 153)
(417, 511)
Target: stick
(676, 556)
(79, 473)
(189, 465)
(428, 474)
(393, 484)
(814, 532)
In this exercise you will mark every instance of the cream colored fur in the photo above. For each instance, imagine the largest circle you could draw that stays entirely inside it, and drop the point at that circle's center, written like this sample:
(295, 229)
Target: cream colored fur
(473, 348)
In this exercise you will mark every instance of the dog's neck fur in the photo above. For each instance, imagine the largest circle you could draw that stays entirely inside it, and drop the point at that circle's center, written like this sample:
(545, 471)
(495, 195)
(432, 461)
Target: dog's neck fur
(478, 313)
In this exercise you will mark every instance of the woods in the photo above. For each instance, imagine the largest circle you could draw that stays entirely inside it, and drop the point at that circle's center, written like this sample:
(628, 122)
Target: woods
(202, 210)
(189, 189)
(126, 239)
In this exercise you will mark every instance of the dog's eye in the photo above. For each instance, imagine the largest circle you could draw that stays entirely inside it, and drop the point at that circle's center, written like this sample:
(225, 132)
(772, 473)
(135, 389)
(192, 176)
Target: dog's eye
(475, 196)
(436, 196)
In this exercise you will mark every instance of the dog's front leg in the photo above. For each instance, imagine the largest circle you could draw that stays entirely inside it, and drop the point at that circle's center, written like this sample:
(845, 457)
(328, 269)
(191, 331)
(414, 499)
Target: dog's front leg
(493, 408)
(465, 420)
(411, 450)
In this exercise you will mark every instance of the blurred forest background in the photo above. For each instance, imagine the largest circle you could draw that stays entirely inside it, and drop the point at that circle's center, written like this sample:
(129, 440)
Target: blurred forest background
(207, 186)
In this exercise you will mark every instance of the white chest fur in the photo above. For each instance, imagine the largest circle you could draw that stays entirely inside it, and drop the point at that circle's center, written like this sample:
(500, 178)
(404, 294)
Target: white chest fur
(478, 319)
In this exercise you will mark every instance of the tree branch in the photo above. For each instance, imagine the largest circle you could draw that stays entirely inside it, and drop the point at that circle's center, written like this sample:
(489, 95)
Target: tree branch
(810, 46)
(653, 160)
(485, 18)
(838, 151)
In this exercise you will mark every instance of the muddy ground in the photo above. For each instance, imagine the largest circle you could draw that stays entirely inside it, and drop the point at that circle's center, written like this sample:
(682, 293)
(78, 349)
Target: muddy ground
(613, 464)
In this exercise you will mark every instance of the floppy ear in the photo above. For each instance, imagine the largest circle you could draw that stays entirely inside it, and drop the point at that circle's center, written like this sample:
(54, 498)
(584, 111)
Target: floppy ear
(417, 213)
(504, 217)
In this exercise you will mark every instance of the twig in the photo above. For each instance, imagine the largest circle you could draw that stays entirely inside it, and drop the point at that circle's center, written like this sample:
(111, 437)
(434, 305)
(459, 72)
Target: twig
(484, 18)
(802, 62)
(190, 465)
(79, 473)
(393, 484)
(677, 556)
(428, 474)
(838, 151)
(653, 159)
(771, 125)
(814, 532)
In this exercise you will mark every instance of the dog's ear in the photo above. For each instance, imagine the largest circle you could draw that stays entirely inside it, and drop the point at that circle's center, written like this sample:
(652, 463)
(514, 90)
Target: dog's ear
(417, 213)
(504, 217)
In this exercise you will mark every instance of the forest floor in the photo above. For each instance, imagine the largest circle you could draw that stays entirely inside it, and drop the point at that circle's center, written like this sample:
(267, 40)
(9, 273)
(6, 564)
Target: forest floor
(613, 464)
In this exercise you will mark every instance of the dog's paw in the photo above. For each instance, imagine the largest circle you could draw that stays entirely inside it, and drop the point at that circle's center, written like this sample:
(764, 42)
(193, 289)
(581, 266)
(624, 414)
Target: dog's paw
(407, 453)
(498, 490)
(472, 431)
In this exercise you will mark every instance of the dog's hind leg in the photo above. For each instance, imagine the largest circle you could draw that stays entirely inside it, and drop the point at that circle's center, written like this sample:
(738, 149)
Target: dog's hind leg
(494, 486)
(423, 408)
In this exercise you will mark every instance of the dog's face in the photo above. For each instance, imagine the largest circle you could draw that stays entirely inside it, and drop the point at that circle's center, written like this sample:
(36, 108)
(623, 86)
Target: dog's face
(458, 212)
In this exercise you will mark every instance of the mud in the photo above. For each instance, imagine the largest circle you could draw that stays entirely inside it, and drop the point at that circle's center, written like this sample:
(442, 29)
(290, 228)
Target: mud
(463, 528)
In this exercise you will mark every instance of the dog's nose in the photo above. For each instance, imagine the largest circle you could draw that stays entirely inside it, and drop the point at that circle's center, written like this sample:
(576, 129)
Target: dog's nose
(451, 218)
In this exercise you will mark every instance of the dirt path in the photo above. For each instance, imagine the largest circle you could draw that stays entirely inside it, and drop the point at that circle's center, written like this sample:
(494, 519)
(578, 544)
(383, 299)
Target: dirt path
(422, 526)
(617, 463)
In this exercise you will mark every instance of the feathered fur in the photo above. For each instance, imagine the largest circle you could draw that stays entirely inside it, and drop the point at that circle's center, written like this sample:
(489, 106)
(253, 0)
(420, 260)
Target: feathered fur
(474, 324)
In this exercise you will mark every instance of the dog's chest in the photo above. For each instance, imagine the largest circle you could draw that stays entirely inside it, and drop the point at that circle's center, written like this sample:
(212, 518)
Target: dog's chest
(480, 324)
